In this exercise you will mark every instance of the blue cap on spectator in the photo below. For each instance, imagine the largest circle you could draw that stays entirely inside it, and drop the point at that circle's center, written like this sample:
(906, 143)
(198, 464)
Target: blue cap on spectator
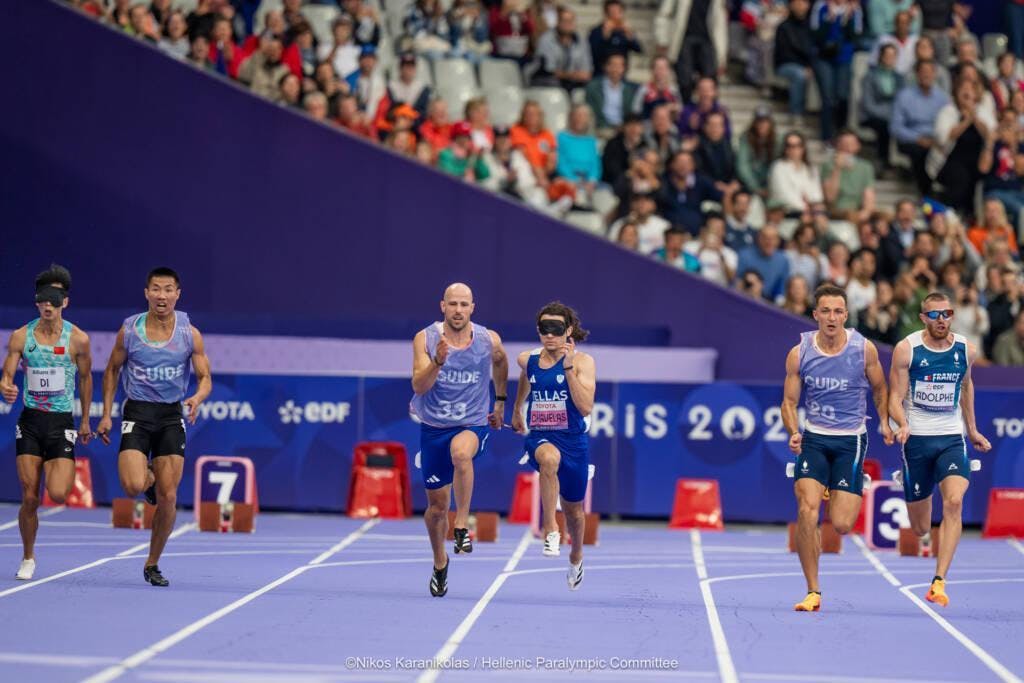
(368, 51)
(931, 206)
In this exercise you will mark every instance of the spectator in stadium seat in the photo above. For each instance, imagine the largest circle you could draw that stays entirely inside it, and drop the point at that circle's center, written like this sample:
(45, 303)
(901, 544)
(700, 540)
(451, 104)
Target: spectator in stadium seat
(794, 56)
(962, 130)
(767, 261)
(401, 141)
(837, 26)
(673, 254)
(292, 12)
(695, 34)
(660, 90)
(436, 131)
(903, 41)
(470, 33)
(952, 244)
(793, 182)
(691, 119)
(878, 93)
(628, 238)
(352, 118)
(752, 284)
(276, 25)
(578, 158)
(760, 20)
(426, 28)
(161, 11)
(642, 176)
(881, 17)
(511, 31)
(366, 82)
(717, 260)
(861, 290)
(967, 55)
(943, 21)
(459, 158)
(879, 321)
(796, 300)
(562, 58)
(994, 226)
(914, 113)
(302, 38)
(200, 19)
(1002, 162)
(650, 226)
(408, 88)
(175, 39)
(613, 36)
(263, 71)
(925, 50)
(739, 233)
(758, 147)
(1009, 346)
(848, 181)
(509, 171)
(714, 155)
(225, 55)
(661, 135)
(1004, 307)
(1007, 80)
(289, 91)
(1017, 106)
(611, 96)
(838, 257)
(315, 104)
(142, 25)
(615, 158)
(536, 142)
(478, 114)
(366, 21)
(683, 191)
(199, 53)
(805, 258)
(343, 52)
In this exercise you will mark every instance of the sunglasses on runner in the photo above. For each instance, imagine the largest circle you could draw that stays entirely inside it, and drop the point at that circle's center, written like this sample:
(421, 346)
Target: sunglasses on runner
(555, 328)
(935, 315)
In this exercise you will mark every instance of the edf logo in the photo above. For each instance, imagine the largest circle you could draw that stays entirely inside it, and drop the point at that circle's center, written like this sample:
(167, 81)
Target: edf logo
(314, 411)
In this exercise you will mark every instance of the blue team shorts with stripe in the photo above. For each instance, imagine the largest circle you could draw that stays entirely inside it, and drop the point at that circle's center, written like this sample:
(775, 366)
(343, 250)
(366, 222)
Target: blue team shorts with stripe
(835, 462)
(574, 465)
(927, 460)
(436, 465)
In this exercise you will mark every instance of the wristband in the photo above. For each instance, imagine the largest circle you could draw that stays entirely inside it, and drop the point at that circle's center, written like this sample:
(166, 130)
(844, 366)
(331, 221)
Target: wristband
(500, 398)
(433, 359)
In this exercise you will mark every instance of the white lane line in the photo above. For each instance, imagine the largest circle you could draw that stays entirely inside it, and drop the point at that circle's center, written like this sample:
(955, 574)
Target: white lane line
(81, 568)
(184, 528)
(988, 660)
(460, 633)
(1016, 545)
(113, 672)
(49, 512)
(725, 664)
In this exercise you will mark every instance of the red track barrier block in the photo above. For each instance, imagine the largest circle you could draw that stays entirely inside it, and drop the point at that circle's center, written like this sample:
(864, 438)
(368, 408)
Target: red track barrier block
(522, 499)
(367, 451)
(1005, 516)
(81, 492)
(698, 505)
(376, 492)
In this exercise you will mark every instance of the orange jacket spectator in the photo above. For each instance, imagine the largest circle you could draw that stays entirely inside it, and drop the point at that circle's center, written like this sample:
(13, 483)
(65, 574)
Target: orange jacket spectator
(536, 147)
(995, 225)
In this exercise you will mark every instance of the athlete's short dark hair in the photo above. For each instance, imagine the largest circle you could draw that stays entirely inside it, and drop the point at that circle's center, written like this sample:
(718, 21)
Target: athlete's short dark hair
(569, 315)
(54, 275)
(828, 289)
(934, 296)
(163, 271)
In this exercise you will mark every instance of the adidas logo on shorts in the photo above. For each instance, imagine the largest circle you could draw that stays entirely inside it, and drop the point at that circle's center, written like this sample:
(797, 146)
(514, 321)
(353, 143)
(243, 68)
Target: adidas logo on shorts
(432, 479)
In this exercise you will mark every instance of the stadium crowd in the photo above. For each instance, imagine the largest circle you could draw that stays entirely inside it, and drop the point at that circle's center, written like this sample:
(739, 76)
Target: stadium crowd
(660, 162)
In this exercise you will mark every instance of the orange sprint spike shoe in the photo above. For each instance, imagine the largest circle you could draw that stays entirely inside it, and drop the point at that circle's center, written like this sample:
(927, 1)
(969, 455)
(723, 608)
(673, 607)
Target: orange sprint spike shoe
(812, 603)
(937, 593)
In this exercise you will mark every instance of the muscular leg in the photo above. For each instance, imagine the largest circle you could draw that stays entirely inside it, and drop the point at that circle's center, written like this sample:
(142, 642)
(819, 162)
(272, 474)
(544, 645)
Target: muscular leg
(29, 469)
(920, 513)
(133, 470)
(548, 457)
(436, 519)
(952, 490)
(843, 510)
(464, 447)
(168, 470)
(808, 540)
(575, 523)
(60, 478)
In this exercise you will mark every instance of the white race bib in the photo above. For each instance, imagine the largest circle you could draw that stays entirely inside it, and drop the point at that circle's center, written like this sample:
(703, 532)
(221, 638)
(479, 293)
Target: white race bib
(935, 396)
(548, 415)
(45, 380)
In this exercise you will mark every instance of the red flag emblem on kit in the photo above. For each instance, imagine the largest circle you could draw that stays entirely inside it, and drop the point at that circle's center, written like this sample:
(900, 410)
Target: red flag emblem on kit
(58, 350)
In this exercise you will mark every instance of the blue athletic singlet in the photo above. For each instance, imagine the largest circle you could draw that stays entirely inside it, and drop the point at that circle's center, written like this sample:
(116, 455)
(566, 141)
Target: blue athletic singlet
(932, 403)
(834, 386)
(549, 403)
(461, 395)
(157, 372)
(49, 371)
